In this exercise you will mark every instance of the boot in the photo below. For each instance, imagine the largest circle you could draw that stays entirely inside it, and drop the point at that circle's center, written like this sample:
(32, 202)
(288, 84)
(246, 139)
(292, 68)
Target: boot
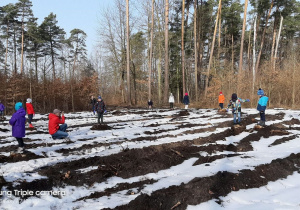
(31, 126)
(20, 150)
(263, 123)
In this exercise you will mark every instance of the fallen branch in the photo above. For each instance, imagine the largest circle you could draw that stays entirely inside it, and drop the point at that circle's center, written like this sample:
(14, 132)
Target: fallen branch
(177, 204)
(178, 153)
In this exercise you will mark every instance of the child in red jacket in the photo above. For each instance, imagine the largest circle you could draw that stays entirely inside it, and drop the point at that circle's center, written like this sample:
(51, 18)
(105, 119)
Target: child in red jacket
(30, 111)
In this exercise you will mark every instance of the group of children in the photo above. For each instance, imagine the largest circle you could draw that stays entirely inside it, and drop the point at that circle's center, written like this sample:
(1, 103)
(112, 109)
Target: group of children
(56, 118)
(235, 104)
(18, 123)
(185, 101)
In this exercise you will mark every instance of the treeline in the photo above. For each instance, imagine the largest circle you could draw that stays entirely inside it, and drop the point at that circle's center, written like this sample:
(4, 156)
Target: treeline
(151, 48)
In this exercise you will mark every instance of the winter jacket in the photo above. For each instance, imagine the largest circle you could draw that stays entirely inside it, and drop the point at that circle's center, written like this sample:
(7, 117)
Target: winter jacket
(236, 106)
(171, 99)
(262, 103)
(100, 106)
(18, 121)
(93, 101)
(150, 103)
(54, 122)
(221, 99)
(186, 100)
(2, 107)
(29, 108)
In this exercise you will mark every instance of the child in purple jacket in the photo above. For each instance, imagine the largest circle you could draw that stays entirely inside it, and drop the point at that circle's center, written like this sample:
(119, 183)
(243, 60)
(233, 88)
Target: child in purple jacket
(2, 107)
(18, 121)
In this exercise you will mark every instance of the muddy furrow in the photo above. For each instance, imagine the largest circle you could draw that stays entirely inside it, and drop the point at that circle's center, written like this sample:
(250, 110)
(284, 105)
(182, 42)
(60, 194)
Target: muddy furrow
(200, 190)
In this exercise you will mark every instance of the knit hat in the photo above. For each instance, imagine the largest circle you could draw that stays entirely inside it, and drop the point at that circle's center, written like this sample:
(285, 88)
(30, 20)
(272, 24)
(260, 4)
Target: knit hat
(186, 94)
(221, 93)
(28, 100)
(260, 92)
(234, 97)
(99, 97)
(55, 111)
(18, 106)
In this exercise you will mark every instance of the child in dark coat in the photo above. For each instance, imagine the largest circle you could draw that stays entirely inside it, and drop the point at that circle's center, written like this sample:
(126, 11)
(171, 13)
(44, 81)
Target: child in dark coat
(100, 109)
(186, 101)
(18, 121)
(150, 104)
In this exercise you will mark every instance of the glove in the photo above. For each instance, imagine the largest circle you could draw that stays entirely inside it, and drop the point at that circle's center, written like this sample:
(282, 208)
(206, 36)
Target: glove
(247, 100)
(105, 111)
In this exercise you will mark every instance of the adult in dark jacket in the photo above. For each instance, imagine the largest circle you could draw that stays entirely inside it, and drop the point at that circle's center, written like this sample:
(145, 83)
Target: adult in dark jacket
(18, 121)
(100, 109)
(93, 103)
(2, 107)
(261, 106)
(150, 104)
(55, 130)
(186, 101)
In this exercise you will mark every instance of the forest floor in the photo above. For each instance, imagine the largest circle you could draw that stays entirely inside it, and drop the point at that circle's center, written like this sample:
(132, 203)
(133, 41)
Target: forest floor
(148, 159)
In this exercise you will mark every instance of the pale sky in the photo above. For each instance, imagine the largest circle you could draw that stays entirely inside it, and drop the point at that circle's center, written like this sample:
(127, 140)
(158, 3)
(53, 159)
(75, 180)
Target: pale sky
(70, 14)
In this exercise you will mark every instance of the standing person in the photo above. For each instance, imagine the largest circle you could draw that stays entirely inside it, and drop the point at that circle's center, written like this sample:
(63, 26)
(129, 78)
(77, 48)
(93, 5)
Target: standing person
(221, 100)
(150, 104)
(261, 106)
(93, 103)
(171, 101)
(100, 109)
(235, 104)
(55, 130)
(2, 107)
(18, 121)
(30, 111)
(186, 101)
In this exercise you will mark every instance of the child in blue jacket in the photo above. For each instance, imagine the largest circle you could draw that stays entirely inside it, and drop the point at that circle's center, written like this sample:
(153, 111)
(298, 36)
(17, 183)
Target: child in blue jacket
(261, 106)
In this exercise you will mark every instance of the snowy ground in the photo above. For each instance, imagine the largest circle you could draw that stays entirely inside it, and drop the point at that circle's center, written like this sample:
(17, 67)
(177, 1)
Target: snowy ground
(133, 130)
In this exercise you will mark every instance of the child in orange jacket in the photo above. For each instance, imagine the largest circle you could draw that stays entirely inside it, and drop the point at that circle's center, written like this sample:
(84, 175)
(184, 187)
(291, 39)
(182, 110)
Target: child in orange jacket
(30, 111)
(221, 100)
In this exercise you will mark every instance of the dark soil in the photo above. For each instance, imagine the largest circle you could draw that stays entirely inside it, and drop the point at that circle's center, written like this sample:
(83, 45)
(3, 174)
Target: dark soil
(101, 127)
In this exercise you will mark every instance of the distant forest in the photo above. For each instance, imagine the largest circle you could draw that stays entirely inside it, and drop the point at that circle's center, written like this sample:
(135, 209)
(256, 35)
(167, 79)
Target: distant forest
(149, 49)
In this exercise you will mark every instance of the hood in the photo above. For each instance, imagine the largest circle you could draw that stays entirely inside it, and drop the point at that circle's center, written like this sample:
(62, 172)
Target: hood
(21, 112)
(52, 116)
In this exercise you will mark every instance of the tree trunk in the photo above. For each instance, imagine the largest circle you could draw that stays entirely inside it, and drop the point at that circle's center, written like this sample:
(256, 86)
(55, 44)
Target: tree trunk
(219, 35)
(166, 91)
(151, 48)
(242, 40)
(22, 45)
(159, 62)
(212, 49)
(195, 48)
(128, 54)
(277, 43)
(182, 47)
(263, 37)
(249, 50)
(232, 53)
(254, 56)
